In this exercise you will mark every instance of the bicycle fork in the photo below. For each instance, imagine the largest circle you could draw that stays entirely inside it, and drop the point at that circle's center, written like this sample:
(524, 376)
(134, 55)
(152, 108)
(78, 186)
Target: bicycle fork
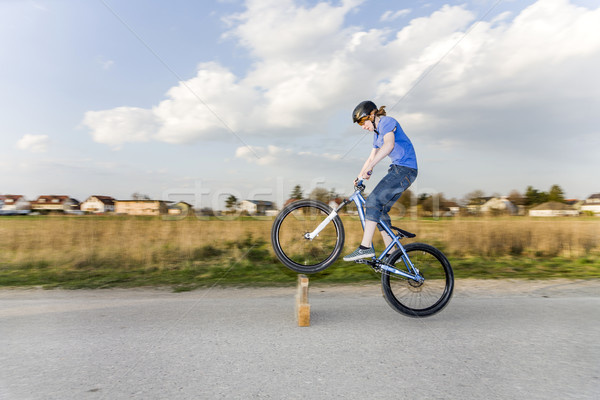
(322, 225)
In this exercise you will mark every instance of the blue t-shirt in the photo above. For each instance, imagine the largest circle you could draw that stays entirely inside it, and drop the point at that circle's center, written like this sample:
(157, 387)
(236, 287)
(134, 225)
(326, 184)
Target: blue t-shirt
(403, 153)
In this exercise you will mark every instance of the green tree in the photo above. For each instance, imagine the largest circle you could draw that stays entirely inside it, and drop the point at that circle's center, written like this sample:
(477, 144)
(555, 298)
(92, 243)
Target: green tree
(231, 202)
(534, 196)
(297, 193)
(556, 194)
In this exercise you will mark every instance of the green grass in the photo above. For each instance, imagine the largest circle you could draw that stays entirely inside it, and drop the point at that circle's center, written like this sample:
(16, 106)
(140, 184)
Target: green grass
(112, 251)
(248, 262)
(527, 268)
(187, 276)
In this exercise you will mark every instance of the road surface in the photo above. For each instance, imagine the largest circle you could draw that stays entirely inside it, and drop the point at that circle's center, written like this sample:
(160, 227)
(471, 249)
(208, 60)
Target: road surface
(496, 340)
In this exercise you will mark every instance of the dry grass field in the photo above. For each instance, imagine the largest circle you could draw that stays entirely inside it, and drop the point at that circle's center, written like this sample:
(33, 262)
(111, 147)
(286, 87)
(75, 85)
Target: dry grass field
(56, 250)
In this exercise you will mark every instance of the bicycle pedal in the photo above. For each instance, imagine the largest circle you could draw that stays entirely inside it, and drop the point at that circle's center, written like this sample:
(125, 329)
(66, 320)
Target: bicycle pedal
(371, 263)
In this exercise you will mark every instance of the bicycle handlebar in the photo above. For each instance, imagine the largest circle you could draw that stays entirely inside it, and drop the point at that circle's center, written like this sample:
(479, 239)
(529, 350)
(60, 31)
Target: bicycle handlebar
(358, 185)
(358, 182)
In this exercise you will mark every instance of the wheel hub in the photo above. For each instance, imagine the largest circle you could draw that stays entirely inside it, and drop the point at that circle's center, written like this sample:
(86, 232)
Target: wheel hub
(415, 284)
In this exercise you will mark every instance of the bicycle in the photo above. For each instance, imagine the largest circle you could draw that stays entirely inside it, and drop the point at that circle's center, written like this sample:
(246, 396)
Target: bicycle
(417, 279)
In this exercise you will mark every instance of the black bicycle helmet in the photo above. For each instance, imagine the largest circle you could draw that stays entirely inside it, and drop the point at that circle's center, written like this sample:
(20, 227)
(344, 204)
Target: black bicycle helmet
(362, 110)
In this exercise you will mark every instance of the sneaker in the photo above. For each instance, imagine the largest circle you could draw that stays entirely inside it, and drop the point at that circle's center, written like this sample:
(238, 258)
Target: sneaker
(360, 253)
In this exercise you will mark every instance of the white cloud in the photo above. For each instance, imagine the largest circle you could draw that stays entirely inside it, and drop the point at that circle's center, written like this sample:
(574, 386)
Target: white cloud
(204, 105)
(391, 15)
(507, 83)
(122, 124)
(274, 156)
(104, 63)
(330, 170)
(34, 143)
(308, 67)
(283, 90)
(282, 30)
(108, 64)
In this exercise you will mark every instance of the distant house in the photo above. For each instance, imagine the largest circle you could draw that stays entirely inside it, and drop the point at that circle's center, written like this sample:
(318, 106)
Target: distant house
(553, 209)
(98, 204)
(592, 204)
(180, 208)
(474, 207)
(256, 207)
(141, 207)
(449, 208)
(574, 203)
(14, 204)
(499, 205)
(54, 203)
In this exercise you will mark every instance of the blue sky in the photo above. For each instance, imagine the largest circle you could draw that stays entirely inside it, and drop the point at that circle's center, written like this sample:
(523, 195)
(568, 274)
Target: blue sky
(198, 100)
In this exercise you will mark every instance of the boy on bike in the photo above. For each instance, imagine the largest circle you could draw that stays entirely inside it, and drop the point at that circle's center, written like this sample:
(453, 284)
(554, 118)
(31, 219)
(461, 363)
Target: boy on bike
(388, 140)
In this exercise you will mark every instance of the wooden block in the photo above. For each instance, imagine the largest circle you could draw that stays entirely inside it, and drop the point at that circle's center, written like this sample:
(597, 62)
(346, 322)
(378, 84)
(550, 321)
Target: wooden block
(303, 314)
(302, 306)
(302, 289)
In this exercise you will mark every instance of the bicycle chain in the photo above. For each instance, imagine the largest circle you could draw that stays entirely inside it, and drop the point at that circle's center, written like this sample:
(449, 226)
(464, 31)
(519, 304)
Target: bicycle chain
(375, 265)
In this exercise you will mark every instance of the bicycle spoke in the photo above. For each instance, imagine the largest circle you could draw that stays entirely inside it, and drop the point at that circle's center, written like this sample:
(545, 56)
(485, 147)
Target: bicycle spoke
(420, 298)
(290, 237)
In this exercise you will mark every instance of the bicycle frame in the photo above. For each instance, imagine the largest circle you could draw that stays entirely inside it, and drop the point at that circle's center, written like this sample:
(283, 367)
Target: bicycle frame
(359, 200)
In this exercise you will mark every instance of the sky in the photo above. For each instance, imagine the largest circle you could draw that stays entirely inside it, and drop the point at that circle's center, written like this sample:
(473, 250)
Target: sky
(197, 100)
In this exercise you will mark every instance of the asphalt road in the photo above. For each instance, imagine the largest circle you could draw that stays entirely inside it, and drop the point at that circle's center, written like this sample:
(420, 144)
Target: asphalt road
(496, 340)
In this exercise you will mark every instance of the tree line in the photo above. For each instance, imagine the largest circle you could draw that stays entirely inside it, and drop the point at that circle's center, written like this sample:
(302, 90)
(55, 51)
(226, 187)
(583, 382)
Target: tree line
(532, 197)
(429, 201)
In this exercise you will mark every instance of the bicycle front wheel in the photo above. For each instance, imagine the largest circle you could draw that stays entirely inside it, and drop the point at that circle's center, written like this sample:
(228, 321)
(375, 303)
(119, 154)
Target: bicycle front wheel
(291, 245)
(419, 299)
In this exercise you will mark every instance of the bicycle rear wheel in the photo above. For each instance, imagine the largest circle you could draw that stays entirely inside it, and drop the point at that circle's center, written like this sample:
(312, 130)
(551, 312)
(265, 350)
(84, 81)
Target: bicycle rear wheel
(292, 247)
(419, 299)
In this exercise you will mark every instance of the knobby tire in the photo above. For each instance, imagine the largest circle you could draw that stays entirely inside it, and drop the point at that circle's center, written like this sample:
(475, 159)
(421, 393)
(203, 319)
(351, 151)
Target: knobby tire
(408, 296)
(294, 250)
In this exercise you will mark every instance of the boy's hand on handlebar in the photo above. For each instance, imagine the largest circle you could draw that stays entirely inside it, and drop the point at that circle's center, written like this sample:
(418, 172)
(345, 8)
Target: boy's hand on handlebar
(365, 175)
(362, 176)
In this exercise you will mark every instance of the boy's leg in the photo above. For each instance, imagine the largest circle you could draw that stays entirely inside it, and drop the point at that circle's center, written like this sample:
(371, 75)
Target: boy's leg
(367, 240)
(365, 250)
(386, 239)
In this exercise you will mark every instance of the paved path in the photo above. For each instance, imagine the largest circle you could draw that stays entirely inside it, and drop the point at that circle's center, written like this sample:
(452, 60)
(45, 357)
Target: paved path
(496, 340)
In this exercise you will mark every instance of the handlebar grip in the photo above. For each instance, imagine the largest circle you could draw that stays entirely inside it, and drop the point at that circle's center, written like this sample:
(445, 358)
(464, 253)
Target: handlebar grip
(359, 185)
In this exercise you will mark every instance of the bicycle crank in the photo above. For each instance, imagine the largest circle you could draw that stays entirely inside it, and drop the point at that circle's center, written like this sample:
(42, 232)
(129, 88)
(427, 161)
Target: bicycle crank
(374, 264)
